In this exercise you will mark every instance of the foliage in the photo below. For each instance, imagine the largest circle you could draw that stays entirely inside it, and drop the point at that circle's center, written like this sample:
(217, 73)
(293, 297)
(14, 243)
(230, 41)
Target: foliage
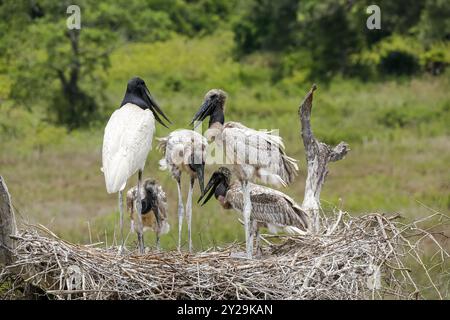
(267, 25)
(394, 55)
(194, 17)
(398, 56)
(61, 69)
(321, 39)
(64, 70)
(434, 23)
(436, 58)
(64, 74)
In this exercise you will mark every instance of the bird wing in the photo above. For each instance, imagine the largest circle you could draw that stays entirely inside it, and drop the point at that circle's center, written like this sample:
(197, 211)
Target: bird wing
(182, 143)
(162, 210)
(131, 195)
(269, 206)
(261, 149)
(126, 144)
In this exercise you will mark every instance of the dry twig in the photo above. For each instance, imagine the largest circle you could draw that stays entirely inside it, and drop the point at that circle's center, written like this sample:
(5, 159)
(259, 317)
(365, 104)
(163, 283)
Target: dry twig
(368, 257)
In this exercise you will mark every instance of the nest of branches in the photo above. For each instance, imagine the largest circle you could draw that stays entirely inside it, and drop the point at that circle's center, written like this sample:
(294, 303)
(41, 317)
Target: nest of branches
(368, 257)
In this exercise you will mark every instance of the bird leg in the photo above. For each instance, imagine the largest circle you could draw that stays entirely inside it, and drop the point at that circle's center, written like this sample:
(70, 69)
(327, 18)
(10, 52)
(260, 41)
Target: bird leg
(189, 211)
(157, 241)
(140, 229)
(246, 213)
(180, 212)
(251, 235)
(157, 227)
(258, 249)
(122, 246)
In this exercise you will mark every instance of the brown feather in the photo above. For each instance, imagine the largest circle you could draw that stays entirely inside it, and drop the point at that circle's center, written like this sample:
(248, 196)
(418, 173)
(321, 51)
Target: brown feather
(269, 206)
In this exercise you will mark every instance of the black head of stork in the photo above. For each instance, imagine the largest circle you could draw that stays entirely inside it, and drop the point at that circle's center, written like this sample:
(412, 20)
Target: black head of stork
(137, 93)
(217, 185)
(213, 106)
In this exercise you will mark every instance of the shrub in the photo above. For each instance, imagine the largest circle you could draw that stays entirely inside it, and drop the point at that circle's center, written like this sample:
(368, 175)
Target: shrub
(43, 136)
(394, 55)
(399, 63)
(437, 58)
(399, 117)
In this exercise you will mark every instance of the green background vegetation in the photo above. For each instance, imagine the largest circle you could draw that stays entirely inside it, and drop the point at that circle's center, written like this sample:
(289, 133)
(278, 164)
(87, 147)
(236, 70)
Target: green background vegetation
(385, 92)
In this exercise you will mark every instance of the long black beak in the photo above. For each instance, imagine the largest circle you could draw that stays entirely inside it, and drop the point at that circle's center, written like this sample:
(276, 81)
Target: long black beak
(200, 170)
(205, 110)
(201, 177)
(155, 108)
(211, 188)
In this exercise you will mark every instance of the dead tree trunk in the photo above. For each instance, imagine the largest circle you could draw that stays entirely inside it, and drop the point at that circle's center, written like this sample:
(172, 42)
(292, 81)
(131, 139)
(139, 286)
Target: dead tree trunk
(318, 155)
(7, 225)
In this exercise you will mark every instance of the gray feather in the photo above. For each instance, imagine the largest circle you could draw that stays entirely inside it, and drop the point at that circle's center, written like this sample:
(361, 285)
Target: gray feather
(269, 206)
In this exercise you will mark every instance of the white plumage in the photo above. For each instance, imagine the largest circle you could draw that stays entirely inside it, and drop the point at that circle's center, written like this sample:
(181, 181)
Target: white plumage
(126, 144)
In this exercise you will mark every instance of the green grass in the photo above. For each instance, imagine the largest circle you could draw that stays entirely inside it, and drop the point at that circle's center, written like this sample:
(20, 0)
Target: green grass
(398, 132)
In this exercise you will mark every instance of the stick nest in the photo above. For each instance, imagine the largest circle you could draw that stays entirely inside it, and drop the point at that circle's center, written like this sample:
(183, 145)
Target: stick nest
(367, 257)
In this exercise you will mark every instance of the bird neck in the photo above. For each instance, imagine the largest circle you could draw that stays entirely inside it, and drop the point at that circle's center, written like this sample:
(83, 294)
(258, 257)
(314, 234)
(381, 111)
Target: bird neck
(217, 117)
(134, 99)
(221, 190)
(148, 203)
(224, 203)
(146, 206)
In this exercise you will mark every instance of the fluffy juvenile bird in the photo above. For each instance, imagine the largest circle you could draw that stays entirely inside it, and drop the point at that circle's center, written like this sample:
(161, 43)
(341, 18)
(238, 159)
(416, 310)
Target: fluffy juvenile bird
(252, 154)
(154, 208)
(184, 151)
(269, 207)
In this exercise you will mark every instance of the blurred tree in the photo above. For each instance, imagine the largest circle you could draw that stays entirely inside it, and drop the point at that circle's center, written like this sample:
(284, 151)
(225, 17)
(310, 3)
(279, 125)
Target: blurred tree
(48, 62)
(303, 30)
(397, 17)
(435, 21)
(328, 34)
(195, 17)
(64, 69)
(267, 25)
(325, 38)
(133, 20)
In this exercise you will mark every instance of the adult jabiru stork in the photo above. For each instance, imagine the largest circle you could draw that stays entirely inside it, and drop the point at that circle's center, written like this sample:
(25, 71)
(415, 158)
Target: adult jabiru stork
(126, 143)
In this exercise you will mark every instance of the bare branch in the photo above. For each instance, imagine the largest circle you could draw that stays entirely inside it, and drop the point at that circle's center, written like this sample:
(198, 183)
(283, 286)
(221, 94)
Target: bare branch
(368, 257)
(318, 155)
(7, 225)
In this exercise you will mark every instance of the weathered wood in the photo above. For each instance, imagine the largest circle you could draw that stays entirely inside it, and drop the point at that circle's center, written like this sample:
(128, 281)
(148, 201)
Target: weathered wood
(7, 225)
(318, 155)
